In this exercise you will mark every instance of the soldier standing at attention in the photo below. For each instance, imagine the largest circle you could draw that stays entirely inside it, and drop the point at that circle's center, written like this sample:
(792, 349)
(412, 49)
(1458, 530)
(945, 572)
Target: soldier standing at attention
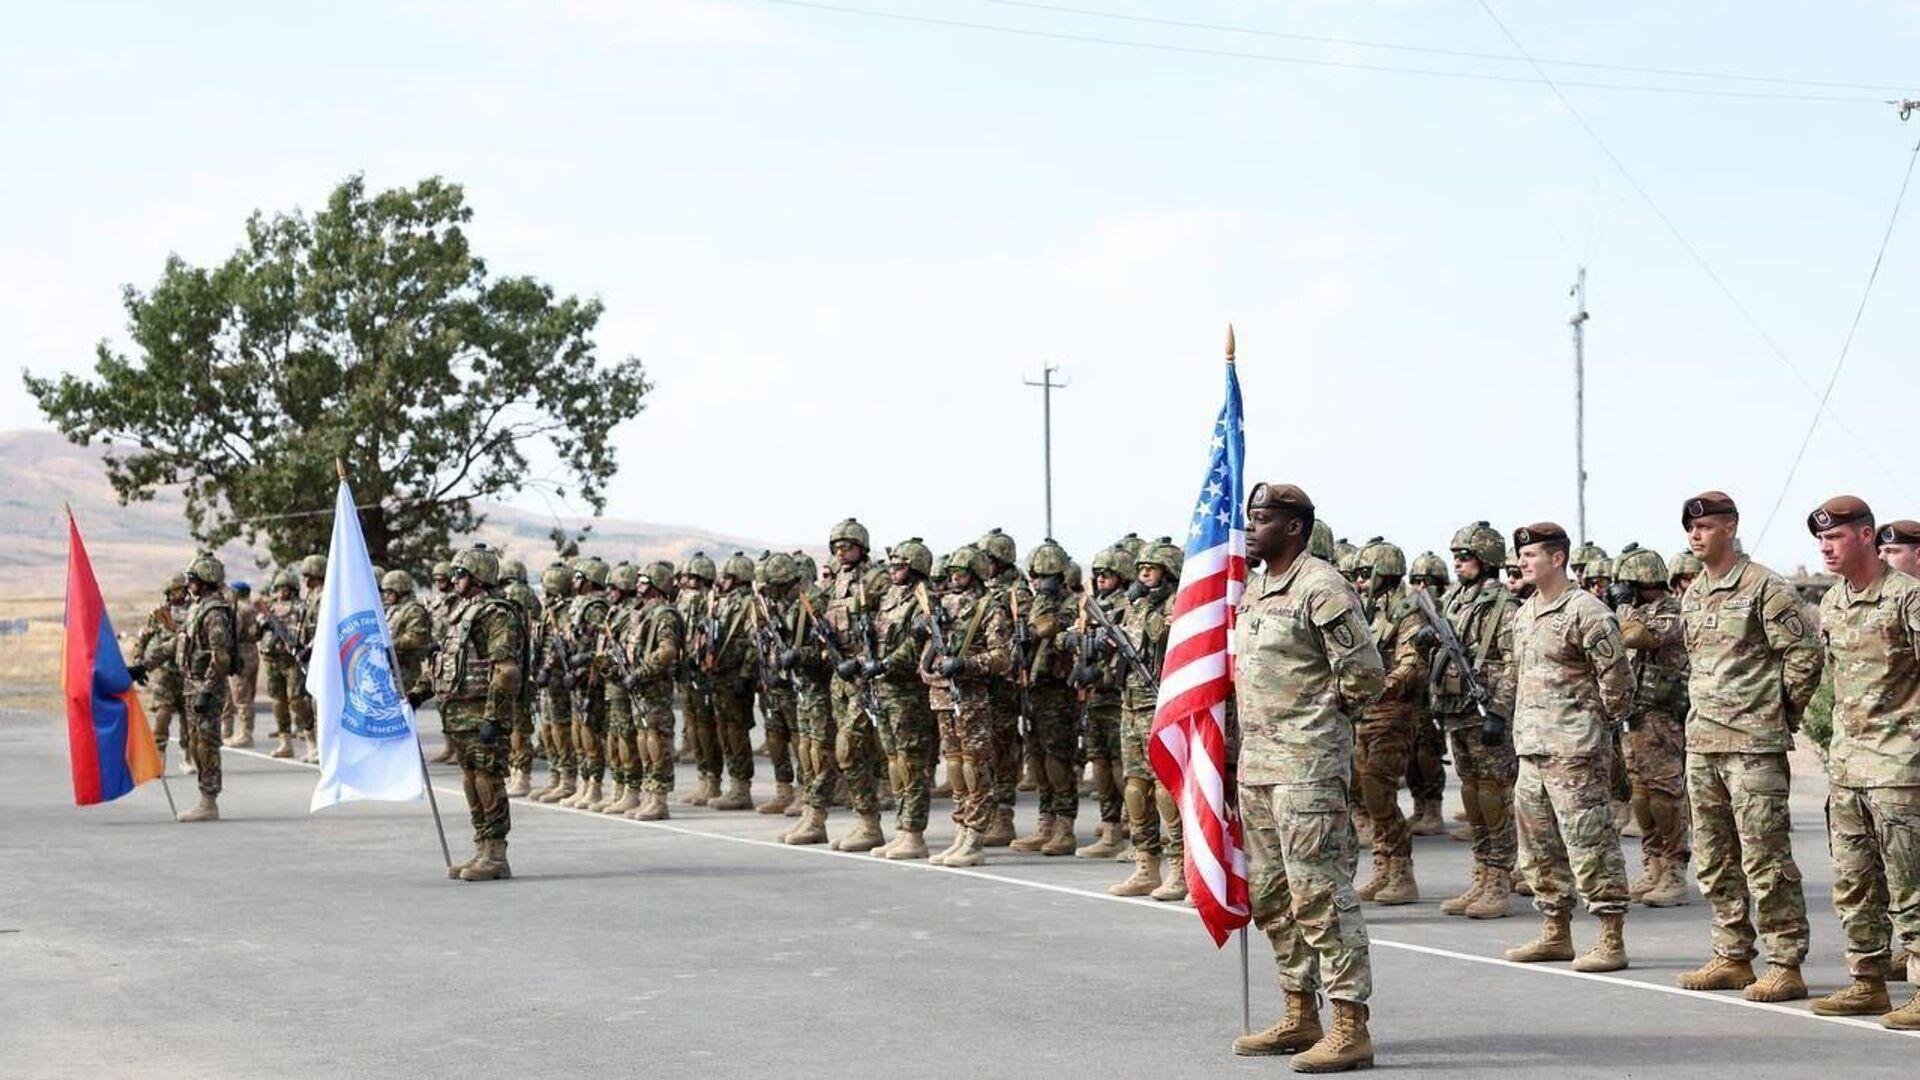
(154, 661)
(476, 678)
(1900, 546)
(409, 623)
(1003, 577)
(1870, 625)
(513, 586)
(775, 574)
(655, 641)
(549, 669)
(1426, 766)
(1100, 679)
(204, 654)
(313, 570)
(1304, 667)
(1571, 689)
(901, 633)
(236, 719)
(812, 675)
(1655, 743)
(1383, 737)
(733, 679)
(585, 680)
(1052, 713)
(1753, 664)
(1152, 816)
(856, 742)
(977, 631)
(695, 602)
(623, 750)
(279, 638)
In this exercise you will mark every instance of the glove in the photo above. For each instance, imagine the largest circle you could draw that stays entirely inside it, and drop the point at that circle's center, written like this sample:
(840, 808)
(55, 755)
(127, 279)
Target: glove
(1085, 674)
(847, 669)
(789, 659)
(1620, 594)
(952, 666)
(872, 669)
(633, 681)
(203, 702)
(489, 731)
(417, 698)
(567, 681)
(138, 672)
(1494, 731)
(306, 656)
(1425, 638)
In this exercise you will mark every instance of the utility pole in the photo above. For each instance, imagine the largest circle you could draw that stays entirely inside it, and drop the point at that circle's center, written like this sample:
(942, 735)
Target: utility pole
(1579, 323)
(1047, 387)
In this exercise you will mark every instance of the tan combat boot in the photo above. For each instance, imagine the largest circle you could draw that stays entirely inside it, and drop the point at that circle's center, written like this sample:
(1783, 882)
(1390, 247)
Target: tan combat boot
(1173, 887)
(1669, 889)
(739, 796)
(1347, 1045)
(864, 836)
(1145, 879)
(1000, 832)
(1458, 905)
(1375, 882)
(959, 838)
(782, 798)
(1865, 996)
(1649, 877)
(1555, 942)
(1496, 897)
(811, 830)
(242, 736)
(629, 801)
(589, 794)
(518, 784)
(1608, 951)
(1400, 887)
(907, 844)
(618, 792)
(208, 810)
(1292, 1033)
(1426, 818)
(1718, 973)
(282, 746)
(1904, 1018)
(1062, 842)
(1782, 982)
(492, 864)
(653, 811)
(1106, 843)
(971, 852)
(1035, 840)
(478, 851)
(312, 756)
(559, 792)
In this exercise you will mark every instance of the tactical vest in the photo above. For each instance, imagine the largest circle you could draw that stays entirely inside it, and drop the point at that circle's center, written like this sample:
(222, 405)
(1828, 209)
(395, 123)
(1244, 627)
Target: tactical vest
(460, 671)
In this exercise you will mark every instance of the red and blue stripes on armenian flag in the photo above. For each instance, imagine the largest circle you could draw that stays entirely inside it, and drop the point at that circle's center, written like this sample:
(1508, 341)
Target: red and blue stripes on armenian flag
(107, 733)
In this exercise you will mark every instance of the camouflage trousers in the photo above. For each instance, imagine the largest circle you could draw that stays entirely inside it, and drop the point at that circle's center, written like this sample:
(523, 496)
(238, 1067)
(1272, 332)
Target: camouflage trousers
(969, 729)
(1743, 846)
(1151, 811)
(200, 736)
(813, 720)
(1427, 765)
(912, 738)
(520, 746)
(698, 706)
(623, 749)
(163, 707)
(588, 705)
(856, 747)
(1874, 834)
(1053, 726)
(653, 738)
(1301, 852)
(733, 723)
(1486, 790)
(1100, 742)
(1567, 838)
(1656, 758)
(1007, 745)
(282, 684)
(483, 767)
(237, 710)
(556, 730)
(777, 707)
(1381, 747)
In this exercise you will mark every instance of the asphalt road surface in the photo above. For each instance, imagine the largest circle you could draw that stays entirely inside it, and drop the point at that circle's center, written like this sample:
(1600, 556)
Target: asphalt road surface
(278, 943)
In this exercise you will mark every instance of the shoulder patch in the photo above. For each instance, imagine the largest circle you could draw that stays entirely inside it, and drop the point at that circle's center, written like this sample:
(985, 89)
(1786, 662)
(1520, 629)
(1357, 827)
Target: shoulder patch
(1794, 624)
(1603, 647)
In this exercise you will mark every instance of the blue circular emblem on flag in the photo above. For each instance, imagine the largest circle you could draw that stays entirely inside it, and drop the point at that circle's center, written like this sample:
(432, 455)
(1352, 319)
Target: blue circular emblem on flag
(372, 705)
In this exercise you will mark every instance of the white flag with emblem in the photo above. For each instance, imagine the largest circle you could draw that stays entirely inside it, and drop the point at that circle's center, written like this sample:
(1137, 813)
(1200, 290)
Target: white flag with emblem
(368, 749)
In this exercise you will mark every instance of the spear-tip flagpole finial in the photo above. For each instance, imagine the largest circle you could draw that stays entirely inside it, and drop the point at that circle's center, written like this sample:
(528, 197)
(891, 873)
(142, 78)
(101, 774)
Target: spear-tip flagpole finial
(1229, 343)
(340, 469)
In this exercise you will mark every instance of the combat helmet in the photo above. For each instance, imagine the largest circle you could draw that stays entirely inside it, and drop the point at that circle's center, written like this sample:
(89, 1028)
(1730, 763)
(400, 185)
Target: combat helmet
(591, 567)
(850, 529)
(555, 580)
(738, 567)
(1686, 564)
(1382, 560)
(805, 565)
(1584, 554)
(1116, 560)
(1320, 540)
(699, 566)
(1133, 544)
(207, 570)
(280, 578)
(1430, 568)
(481, 565)
(1349, 561)
(513, 570)
(442, 570)
(914, 554)
(176, 582)
(658, 576)
(1163, 553)
(314, 566)
(1047, 558)
(971, 559)
(397, 582)
(1483, 542)
(1343, 552)
(1075, 578)
(778, 570)
(1641, 566)
(624, 576)
(999, 547)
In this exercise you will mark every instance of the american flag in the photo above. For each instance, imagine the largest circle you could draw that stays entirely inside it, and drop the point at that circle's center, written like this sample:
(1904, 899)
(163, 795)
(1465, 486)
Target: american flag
(1188, 748)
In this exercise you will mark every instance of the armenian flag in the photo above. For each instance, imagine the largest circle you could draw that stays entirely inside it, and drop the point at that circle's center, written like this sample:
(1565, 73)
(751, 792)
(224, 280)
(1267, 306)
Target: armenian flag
(107, 733)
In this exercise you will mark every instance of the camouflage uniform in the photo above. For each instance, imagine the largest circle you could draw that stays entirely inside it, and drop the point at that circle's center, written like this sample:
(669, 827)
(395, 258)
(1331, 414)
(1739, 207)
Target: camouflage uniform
(774, 685)
(914, 734)
(520, 745)
(1150, 809)
(1872, 639)
(285, 675)
(1104, 718)
(813, 701)
(979, 633)
(856, 742)
(1383, 739)
(587, 696)
(1004, 691)
(733, 680)
(204, 656)
(1053, 712)
(694, 685)
(1481, 614)
(1304, 665)
(236, 713)
(623, 752)
(309, 627)
(475, 675)
(412, 630)
(1753, 664)
(1655, 743)
(1571, 686)
(656, 642)
(155, 649)
(549, 667)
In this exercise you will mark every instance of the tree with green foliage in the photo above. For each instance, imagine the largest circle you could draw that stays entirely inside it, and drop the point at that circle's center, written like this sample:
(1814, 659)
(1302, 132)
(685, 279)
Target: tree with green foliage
(371, 333)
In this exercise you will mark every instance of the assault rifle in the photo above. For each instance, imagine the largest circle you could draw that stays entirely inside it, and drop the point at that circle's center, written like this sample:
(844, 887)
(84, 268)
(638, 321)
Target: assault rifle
(285, 637)
(1125, 647)
(1493, 727)
(766, 639)
(939, 636)
(1022, 658)
(830, 641)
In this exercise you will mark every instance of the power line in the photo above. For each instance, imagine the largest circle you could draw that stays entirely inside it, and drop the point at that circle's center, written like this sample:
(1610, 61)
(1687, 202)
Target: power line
(1687, 246)
(1468, 54)
(1845, 346)
(1302, 61)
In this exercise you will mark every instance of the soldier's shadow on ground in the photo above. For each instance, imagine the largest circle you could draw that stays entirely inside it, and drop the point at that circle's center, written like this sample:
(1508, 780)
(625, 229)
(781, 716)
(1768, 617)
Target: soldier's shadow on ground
(1533, 1051)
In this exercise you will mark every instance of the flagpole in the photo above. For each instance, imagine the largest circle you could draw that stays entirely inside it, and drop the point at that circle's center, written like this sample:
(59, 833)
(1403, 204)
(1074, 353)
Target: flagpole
(1233, 803)
(413, 720)
(171, 808)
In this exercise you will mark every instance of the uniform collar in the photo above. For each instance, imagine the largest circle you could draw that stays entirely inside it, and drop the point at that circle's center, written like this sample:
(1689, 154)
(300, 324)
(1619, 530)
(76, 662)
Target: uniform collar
(1870, 594)
(1285, 581)
(1566, 597)
(1732, 577)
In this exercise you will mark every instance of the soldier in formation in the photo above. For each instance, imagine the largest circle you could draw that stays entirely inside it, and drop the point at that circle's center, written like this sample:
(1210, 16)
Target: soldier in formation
(154, 664)
(236, 719)
(206, 654)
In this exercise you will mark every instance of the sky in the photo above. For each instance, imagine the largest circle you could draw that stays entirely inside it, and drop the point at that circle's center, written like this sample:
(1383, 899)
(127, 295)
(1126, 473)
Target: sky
(841, 242)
